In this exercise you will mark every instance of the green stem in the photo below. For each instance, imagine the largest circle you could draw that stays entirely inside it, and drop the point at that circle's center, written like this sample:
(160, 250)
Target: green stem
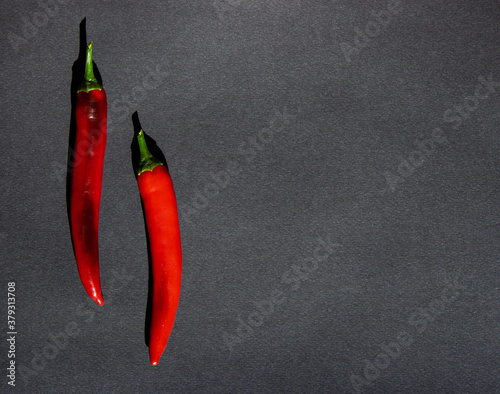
(89, 82)
(147, 161)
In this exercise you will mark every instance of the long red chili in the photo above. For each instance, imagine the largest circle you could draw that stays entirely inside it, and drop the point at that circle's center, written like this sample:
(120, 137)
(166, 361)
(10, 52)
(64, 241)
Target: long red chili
(160, 208)
(86, 178)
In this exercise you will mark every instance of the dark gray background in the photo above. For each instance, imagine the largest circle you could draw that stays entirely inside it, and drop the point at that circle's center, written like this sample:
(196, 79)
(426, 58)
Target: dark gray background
(224, 70)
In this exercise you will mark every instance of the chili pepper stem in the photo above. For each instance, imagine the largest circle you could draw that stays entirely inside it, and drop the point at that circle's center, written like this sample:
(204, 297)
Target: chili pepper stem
(89, 82)
(147, 161)
(89, 64)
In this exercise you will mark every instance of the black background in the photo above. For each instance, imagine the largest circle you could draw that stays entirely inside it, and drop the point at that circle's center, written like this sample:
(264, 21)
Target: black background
(380, 149)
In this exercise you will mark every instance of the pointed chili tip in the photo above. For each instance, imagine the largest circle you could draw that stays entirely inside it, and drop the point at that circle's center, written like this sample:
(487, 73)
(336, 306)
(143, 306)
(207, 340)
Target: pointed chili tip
(154, 355)
(154, 359)
(98, 299)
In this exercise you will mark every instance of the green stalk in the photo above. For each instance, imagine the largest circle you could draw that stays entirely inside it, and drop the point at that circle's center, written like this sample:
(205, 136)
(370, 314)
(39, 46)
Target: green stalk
(89, 82)
(147, 161)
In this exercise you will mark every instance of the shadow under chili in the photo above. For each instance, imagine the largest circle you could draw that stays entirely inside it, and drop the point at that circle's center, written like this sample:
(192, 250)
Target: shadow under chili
(78, 72)
(156, 152)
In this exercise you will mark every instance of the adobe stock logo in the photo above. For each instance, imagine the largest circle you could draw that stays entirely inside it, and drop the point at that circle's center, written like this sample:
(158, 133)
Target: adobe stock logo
(417, 323)
(461, 112)
(426, 148)
(371, 30)
(47, 350)
(38, 19)
(248, 150)
(291, 281)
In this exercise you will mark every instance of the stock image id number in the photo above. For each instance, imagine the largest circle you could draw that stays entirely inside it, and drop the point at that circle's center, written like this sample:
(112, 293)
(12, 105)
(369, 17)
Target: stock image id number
(11, 305)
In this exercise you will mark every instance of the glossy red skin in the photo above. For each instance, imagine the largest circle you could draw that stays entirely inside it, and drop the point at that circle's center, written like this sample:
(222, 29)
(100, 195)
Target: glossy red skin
(86, 184)
(160, 208)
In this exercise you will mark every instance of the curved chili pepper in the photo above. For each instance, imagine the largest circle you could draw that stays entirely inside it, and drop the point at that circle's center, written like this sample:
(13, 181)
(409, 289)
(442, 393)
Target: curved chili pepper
(162, 221)
(86, 178)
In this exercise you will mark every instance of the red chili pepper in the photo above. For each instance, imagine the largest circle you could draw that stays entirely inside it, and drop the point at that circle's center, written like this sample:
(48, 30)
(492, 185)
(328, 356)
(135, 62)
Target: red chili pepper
(86, 178)
(162, 221)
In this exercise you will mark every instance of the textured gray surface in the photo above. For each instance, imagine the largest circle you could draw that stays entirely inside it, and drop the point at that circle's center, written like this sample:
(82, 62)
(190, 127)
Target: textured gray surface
(379, 149)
